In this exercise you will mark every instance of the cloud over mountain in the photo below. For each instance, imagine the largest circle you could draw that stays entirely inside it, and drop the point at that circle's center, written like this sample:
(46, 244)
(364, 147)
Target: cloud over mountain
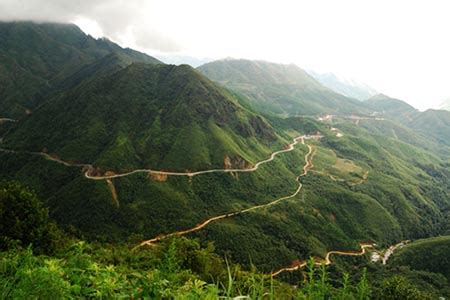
(116, 18)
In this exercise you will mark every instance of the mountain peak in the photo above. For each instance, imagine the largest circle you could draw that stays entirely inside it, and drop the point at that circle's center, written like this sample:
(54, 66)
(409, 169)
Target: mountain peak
(59, 52)
(385, 104)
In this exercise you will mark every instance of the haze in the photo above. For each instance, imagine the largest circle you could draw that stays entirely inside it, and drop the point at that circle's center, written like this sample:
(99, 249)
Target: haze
(400, 48)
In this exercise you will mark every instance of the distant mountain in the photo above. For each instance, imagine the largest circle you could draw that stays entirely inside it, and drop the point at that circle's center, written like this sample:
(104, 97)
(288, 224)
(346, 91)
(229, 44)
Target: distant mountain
(285, 90)
(347, 87)
(35, 58)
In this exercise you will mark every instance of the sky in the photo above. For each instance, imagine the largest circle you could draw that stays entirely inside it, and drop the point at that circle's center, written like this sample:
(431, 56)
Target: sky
(400, 48)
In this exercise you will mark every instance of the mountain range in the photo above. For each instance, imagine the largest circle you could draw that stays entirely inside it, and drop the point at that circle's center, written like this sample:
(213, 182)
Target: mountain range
(260, 158)
(347, 87)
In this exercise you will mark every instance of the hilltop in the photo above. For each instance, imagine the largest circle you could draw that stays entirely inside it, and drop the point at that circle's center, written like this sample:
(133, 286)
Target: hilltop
(36, 57)
(144, 115)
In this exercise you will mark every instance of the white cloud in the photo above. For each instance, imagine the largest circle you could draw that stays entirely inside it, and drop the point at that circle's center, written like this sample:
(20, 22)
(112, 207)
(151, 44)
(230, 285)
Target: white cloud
(399, 47)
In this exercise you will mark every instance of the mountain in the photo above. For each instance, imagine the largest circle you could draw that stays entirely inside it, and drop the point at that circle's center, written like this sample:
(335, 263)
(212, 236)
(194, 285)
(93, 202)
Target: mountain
(431, 124)
(144, 115)
(35, 58)
(284, 90)
(347, 87)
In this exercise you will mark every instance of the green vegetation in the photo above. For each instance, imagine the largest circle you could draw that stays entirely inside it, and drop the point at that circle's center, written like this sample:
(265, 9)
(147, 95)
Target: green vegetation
(153, 116)
(23, 219)
(431, 255)
(177, 268)
(398, 200)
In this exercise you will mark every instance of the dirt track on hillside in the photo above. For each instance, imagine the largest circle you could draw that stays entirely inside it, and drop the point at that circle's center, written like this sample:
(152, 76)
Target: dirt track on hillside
(308, 165)
(326, 261)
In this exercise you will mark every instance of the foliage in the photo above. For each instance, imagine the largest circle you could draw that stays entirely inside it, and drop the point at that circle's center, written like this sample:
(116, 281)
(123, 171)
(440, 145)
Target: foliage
(172, 270)
(23, 219)
(397, 288)
(431, 255)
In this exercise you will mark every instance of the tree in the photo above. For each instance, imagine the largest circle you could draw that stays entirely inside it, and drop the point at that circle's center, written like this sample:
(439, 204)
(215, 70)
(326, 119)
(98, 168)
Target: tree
(399, 288)
(23, 219)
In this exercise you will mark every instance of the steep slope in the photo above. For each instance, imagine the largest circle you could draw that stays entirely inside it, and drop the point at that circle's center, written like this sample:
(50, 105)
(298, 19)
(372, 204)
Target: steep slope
(346, 87)
(156, 116)
(34, 58)
(285, 90)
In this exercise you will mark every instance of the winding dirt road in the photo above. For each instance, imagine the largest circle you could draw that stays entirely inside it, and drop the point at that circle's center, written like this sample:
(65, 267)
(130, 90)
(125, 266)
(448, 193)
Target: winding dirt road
(51, 158)
(4, 120)
(108, 178)
(191, 174)
(326, 261)
(308, 165)
(90, 168)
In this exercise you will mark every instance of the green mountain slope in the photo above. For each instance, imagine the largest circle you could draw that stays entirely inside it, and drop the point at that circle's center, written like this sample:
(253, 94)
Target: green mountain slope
(285, 90)
(431, 125)
(34, 58)
(153, 116)
(335, 209)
